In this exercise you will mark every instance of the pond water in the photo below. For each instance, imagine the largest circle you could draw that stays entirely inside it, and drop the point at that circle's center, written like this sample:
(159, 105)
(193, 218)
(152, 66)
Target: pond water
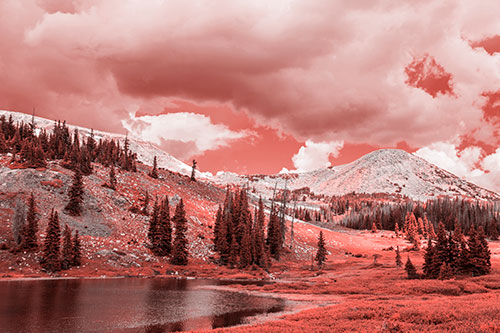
(125, 305)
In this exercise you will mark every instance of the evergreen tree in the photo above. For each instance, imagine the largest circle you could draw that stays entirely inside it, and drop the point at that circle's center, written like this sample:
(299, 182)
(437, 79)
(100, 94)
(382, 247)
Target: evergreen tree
(51, 247)
(193, 169)
(31, 226)
(445, 272)
(154, 172)
(274, 235)
(163, 239)
(246, 248)
(399, 263)
(74, 206)
(411, 271)
(112, 178)
(217, 227)
(67, 249)
(180, 251)
(145, 204)
(396, 229)
(374, 227)
(233, 252)
(77, 255)
(153, 225)
(321, 252)
(259, 240)
(431, 268)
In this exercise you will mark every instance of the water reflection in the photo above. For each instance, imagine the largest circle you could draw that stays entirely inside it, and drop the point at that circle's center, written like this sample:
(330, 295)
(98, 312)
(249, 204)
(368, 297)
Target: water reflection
(124, 305)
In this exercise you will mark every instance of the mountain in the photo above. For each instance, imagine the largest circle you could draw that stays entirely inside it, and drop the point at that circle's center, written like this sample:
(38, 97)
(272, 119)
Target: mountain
(391, 171)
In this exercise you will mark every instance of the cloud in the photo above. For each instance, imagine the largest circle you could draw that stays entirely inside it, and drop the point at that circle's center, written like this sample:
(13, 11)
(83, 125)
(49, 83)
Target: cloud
(315, 155)
(469, 163)
(286, 63)
(182, 134)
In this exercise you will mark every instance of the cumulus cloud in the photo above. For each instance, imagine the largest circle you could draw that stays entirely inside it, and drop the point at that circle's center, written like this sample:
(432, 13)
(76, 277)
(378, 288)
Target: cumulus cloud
(182, 134)
(286, 63)
(469, 164)
(315, 155)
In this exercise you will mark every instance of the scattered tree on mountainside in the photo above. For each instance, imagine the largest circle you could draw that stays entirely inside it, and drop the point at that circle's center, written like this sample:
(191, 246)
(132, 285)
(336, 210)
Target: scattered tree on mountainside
(321, 252)
(454, 255)
(153, 224)
(238, 236)
(179, 250)
(411, 271)
(34, 148)
(67, 249)
(18, 222)
(74, 206)
(30, 228)
(399, 263)
(77, 255)
(162, 234)
(51, 247)
(145, 204)
(193, 169)
(154, 172)
(112, 179)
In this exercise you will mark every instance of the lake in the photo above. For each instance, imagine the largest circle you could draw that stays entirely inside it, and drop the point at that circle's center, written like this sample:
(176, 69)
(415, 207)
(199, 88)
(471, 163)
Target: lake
(125, 305)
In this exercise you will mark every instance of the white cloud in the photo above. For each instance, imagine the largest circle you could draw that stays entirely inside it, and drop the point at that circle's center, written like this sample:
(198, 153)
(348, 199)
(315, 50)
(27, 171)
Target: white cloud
(315, 155)
(182, 134)
(467, 164)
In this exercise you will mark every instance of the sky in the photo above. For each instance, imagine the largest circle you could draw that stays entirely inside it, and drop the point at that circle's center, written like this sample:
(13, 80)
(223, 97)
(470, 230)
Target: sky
(266, 86)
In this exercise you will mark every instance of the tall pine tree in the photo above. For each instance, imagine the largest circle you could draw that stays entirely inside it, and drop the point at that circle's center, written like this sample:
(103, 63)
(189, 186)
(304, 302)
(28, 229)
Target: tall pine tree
(51, 247)
(74, 206)
(180, 251)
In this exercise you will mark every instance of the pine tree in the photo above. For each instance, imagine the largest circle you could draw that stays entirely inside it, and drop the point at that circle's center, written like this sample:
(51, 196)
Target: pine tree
(445, 272)
(163, 238)
(411, 271)
(396, 229)
(274, 235)
(180, 251)
(74, 206)
(233, 252)
(259, 240)
(51, 247)
(193, 169)
(67, 249)
(431, 270)
(77, 255)
(153, 225)
(374, 227)
(154, 173)
(246, 248)
(145, 204)
(399, 263)
(217, 227)
(31, 226)
(321, 252)
(18, 222)
(112, 178)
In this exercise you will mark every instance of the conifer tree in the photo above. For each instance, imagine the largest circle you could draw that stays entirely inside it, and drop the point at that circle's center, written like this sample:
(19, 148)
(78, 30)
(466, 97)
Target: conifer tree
(163, 238)
(217, 227)
(153, 225)
(399, 263)
(223, 246)
(77, 255)
(31, 226)
(112, 178)
(259, 240)
(67, 249)
(154, 173)
(180, 251)
(396, 229)
(145, 204)
(321, 252)
(193, 169)
(431, 268)
(411, 271)
(233, 252)
(51, 247)
(74, 206)
(374, 227)
(274, 235)
(445, 272)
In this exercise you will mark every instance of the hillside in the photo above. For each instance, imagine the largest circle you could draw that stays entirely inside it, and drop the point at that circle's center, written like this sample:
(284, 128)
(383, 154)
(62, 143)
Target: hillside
(390, 171)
